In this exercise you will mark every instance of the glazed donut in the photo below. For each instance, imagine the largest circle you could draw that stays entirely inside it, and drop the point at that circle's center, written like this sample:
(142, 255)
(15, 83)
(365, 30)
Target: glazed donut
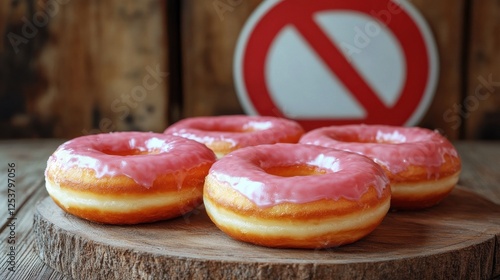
(128, 177)
(422, 165)
(224, 134)
(296, 196)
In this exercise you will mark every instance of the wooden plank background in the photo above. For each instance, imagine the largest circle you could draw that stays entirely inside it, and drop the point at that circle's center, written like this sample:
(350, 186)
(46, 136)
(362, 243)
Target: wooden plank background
(446, 20)
(73, 67)
(481, 105)
(89, 66)
(209, 33)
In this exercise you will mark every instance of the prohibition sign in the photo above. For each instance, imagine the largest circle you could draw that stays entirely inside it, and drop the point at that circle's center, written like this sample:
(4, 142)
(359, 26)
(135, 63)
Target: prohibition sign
(407, 26)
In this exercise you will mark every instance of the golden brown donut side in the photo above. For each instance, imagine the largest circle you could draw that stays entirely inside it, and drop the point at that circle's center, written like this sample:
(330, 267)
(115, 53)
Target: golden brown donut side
(319, 224)
(120, 200)
(421, 164)
(414, 189)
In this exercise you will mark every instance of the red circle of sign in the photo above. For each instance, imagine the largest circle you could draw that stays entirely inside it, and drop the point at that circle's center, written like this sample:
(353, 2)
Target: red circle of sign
(298, 11)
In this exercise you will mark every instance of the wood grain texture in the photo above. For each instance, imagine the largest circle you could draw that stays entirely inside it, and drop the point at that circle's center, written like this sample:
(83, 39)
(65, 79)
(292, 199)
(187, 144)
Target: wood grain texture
(446, 21)
(131, 64)
(86, 66)
(459, 233)
(480, 107)
(17, 51)
(65, 87)
(4, 16)
(210, 29)
(479, 168)
(30, 188)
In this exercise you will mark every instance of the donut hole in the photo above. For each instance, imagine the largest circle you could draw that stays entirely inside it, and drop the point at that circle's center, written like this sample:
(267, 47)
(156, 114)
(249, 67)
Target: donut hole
(393, 137)
(220, 128)
(295, 170)
(352, 139)
(129, 152)
(248, 127)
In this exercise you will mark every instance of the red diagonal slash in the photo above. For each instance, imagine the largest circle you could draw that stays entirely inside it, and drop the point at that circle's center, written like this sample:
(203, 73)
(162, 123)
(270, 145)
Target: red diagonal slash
(340, 66)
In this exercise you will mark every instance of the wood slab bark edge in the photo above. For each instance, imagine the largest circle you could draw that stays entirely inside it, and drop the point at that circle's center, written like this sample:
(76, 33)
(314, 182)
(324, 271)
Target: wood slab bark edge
(458, 238)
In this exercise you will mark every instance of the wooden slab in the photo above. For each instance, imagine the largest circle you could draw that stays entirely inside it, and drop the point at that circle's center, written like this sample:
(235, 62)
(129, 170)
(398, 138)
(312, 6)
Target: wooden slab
(458, 239)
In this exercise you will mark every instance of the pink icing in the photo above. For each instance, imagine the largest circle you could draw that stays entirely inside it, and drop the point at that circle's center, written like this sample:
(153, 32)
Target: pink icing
(239, 130)
(395, 148)
(347, 175)
(98, 152)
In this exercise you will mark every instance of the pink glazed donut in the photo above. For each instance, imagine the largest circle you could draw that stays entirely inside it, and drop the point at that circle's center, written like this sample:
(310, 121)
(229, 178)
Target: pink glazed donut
(128, 177)
(224, 134)
(422, 165)
(296, 196)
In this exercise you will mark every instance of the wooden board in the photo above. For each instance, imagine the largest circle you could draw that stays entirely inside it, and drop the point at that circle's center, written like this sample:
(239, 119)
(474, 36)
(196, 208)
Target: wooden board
(456, 239)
